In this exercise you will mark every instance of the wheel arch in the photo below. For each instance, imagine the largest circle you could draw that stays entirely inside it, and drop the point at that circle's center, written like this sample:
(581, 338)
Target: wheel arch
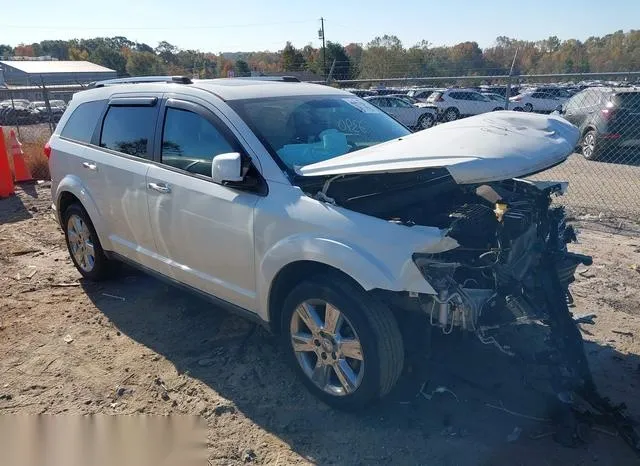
(71, 190)
(291, 275)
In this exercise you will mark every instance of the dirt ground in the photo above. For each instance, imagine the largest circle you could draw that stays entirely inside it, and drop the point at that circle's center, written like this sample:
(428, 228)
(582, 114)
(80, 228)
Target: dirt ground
(136, 345)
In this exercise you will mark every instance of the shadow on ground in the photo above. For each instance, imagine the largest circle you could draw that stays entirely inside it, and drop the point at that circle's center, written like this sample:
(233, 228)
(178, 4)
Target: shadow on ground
(13, 209)
(245, 366)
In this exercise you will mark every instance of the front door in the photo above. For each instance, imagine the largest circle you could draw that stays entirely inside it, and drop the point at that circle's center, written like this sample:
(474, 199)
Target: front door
(203, 231)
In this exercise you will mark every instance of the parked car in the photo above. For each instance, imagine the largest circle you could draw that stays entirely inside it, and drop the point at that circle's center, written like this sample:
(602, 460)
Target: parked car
(422, 94)
(15, 103)
(413, 101)
(500, 99)
(318, 215)
(406, 113)
(17, 112)
(556, 91)
(456, 103)
(40, 107)
(536, 102)
(608, 119)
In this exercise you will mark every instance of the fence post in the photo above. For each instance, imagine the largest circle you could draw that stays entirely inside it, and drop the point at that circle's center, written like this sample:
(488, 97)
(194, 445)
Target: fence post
(13, 106)
(45, 95)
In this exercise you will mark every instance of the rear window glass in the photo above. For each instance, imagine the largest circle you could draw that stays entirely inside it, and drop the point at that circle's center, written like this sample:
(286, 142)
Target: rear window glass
(129, 130)
(629, 100)
(82, 122)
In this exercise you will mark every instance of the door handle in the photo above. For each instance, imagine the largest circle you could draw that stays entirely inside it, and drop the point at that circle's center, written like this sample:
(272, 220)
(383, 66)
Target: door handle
(89, 166)
(160, 187)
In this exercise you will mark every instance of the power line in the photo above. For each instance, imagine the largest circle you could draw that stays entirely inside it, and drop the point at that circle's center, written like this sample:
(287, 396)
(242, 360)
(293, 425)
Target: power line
(152, 28)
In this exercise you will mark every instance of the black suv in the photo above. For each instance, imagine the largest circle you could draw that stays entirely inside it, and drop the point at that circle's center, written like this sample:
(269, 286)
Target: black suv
(608, 119)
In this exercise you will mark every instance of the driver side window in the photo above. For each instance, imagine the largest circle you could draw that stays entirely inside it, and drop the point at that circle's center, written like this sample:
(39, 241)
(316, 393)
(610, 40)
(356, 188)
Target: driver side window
(190, 142)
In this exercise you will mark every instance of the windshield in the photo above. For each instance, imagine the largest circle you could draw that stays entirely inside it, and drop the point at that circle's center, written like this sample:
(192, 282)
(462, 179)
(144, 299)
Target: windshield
(301, 130)
(434, 96)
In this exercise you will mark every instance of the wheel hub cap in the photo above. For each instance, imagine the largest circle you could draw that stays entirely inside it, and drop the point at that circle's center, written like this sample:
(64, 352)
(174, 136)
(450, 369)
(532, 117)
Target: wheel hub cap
(80, 243)
(327, 347)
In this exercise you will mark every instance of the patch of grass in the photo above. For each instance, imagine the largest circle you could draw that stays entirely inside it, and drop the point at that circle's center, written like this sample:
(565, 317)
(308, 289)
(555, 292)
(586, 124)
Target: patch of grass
(33, 139)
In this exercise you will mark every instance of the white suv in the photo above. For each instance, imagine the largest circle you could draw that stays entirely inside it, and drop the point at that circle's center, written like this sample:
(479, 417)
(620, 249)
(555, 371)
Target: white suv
(318, 215)
(457, 103)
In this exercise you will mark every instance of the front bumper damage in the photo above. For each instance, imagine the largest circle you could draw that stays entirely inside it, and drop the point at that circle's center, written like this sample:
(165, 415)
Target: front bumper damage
(531, 275)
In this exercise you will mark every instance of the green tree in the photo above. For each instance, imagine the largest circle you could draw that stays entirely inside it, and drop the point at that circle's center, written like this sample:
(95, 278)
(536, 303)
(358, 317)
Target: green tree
(241, 68)
(144, 64)
(56, 48)
(166, 52)
(383, 57)
(292, 59)
(105, 56)
(338, 58)
(6, 50)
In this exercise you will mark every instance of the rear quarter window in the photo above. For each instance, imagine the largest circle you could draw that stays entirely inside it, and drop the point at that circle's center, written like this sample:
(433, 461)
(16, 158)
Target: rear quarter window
(83, 121)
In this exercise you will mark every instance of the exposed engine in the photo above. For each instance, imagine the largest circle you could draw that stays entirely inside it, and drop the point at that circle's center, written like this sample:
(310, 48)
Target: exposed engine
(512, 267)
(492, 277)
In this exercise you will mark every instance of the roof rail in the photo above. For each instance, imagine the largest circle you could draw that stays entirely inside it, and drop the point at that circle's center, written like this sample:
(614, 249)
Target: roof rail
(143, 79)
(286, 79)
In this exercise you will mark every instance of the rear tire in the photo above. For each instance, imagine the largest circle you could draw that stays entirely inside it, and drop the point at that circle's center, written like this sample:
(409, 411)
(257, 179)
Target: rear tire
(589, 145)
(497, 109)
(321, 361)
(84, 246)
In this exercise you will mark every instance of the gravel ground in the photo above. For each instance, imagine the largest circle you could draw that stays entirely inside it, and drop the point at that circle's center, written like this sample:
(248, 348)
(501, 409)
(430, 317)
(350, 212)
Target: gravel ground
(135, 345)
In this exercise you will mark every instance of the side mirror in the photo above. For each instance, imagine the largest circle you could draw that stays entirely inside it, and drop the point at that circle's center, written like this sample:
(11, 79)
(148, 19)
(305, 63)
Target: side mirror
(559, 109)
(227, 168)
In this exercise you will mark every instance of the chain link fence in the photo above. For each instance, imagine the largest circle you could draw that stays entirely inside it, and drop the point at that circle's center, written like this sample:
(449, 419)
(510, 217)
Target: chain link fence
(604, 171)
(33, 112)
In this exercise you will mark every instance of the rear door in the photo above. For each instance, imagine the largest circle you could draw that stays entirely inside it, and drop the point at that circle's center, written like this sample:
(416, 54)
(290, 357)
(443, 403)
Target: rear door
(203, 230)
(404, 112)
(120, 160)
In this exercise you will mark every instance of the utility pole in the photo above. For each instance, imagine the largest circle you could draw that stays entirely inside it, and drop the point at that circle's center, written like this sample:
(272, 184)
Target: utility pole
(508, 90)
(324, 51)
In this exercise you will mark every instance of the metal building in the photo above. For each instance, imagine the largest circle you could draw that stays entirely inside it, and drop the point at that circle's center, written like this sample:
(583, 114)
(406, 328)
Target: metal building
(35, 72)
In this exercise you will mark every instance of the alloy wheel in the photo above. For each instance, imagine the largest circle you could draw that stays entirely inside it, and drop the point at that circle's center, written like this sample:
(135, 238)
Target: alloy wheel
(80, 243)
(327, 347)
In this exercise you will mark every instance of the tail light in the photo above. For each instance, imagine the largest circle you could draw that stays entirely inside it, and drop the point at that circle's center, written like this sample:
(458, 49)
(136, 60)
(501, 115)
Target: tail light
(608, 111)
(516, 98)
(47, 150)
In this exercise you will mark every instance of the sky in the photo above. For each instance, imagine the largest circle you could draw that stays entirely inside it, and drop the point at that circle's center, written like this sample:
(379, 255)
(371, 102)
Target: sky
(249, 25)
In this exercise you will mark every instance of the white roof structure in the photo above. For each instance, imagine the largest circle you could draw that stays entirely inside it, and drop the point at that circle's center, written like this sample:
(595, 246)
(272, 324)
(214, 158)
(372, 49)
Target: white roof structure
(42, 67)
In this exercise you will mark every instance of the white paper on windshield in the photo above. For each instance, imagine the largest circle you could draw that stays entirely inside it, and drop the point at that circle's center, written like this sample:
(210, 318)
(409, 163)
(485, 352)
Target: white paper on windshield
(361, 105)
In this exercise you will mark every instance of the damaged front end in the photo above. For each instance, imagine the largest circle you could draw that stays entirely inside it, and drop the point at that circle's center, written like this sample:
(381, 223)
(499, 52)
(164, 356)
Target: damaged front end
(513, 269)
(510, 272)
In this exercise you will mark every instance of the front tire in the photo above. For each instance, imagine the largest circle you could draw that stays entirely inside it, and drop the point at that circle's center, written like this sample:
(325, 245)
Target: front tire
(451, 114)
(425, 121)
(84, 246)
(345, 346)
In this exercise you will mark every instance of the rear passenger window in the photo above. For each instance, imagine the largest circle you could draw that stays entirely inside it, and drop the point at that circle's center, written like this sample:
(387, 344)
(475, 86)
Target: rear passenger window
(83, 121)
(190, 142)
(129, 130)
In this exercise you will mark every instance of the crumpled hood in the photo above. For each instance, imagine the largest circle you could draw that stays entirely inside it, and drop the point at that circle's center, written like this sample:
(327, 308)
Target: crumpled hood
(488, 147)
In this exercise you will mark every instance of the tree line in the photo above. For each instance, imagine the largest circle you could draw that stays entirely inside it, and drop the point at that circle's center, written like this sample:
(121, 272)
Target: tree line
(383, 57)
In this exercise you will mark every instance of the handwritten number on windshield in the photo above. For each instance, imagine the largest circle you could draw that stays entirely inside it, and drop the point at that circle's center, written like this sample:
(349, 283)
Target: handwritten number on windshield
(348, 125)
